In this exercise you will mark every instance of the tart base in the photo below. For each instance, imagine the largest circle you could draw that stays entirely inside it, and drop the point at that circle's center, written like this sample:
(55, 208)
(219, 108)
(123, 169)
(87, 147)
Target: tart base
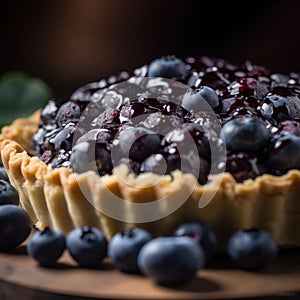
(58, 197)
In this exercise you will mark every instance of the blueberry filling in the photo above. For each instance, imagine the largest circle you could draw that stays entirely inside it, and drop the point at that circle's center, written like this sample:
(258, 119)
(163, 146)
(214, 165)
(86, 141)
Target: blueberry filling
(259, 113)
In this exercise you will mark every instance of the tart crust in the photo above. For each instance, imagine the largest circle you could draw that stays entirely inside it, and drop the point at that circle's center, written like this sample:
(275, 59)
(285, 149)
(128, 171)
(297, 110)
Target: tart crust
(58, 197)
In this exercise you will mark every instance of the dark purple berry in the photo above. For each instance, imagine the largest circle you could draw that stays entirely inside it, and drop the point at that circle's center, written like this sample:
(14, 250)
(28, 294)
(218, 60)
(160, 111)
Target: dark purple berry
(199, 136)
(244, 166)
(284, 152)
(162, 124)
(230, 105)
(68, 112)
(15, 226)
(8, 194)
(124, 248)
(3, 174)
(91, 155)
(281, 104)
(190, 136)
(109, 119)
(87, 246)
(171, 260)
(216, 80)
(99, 135)
(246, 134)
(139, 143)
(168, 67)
(252, 249)
(46, 246)
(203, 98)
(201, 234)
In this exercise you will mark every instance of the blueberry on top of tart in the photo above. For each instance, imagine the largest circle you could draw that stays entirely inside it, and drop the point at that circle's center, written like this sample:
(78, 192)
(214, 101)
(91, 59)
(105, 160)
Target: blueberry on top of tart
(149, 130)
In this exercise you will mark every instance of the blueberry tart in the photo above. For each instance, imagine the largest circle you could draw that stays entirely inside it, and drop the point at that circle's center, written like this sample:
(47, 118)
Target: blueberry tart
(174, 141)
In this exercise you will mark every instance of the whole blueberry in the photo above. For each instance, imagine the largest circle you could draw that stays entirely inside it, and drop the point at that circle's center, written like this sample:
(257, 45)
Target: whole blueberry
(191, 135)
(281, 104)
(15, 226)
(8, 194)
(252, 249)
(91, 155)
(124, 247)
(245, 134)
(168, 67)
(3, 174)
(200, 233)
(87, 246)
(171, 260)
(243, 166)
(46, 246)
(284, 152)
(83, 157)
(200, 99)
(139, 143)
(68, 112)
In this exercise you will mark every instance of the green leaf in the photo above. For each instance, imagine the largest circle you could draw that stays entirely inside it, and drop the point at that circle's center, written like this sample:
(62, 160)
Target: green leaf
(21, 95)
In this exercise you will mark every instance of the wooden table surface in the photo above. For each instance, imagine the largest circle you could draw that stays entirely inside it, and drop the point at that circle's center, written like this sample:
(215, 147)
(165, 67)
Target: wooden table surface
(21, 278)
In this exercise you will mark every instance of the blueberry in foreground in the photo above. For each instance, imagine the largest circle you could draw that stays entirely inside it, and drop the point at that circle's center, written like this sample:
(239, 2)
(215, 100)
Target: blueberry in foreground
(252, 249)
(168, 67)
(284, 152)
(200, 99)
(246, 134)
(15, 226)
(3, 174)
(46, 246)
(8, 194)
(171, 260)
(200, 233)
(124, 248)
(87, 246)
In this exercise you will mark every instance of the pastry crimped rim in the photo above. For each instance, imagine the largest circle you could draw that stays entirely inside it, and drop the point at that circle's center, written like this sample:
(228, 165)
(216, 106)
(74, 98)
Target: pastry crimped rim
(58, 197)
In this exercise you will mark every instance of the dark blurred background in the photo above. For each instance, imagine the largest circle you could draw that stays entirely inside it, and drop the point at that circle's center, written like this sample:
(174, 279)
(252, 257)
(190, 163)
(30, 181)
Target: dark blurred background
(70, 42)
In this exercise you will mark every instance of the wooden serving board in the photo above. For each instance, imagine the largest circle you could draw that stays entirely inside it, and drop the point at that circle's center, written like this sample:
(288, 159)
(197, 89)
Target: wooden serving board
(21, 278)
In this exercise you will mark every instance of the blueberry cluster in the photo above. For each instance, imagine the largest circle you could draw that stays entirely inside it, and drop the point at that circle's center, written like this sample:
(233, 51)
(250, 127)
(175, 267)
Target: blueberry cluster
(15, 223)
(168, 260)
(176, 259)
(86, 245)
(259, 112)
